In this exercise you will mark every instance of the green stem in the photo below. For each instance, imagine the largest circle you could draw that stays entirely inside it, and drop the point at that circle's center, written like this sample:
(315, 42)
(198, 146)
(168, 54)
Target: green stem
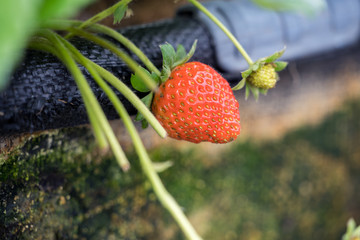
(118, 84)
(224, 29)
(164, 197)
(96, 126)
(125, 90)
(128, 44)
(98, 28)
(87, 93)
(100, 16)
(131, 97)
(148, 81)
(45, 45)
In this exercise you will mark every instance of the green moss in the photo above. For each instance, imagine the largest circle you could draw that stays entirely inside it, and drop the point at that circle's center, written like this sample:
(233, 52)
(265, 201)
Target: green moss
(55, 187)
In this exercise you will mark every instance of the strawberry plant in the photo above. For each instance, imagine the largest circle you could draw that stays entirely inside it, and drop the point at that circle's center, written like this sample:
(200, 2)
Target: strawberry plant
(186, 100)
(262, 73)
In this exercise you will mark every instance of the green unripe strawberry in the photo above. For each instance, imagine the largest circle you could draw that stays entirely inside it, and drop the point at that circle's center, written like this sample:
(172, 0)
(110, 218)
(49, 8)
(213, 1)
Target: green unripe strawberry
(265, 77)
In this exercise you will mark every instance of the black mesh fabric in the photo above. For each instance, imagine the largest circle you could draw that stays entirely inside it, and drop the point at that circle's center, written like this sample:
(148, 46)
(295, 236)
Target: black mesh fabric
(43, 95)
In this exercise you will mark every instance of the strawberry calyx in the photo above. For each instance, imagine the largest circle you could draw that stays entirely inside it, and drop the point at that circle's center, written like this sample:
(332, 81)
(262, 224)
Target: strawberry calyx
(171, 59)
(261, 75)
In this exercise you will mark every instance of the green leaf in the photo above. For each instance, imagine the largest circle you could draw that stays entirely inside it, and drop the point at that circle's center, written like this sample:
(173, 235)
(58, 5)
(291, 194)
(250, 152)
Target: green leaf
(308, 7)
(256, 65)
(191, 52)
(263, 91)
(180, 53)
(155, 77)
(120, 13)
(168, 54)
(19, 19)
(280, 65)
(275, 56)
(147, 100)
(240, 85)
(138, 83)
(144, 123)
(349, 230)
(247, 91)
(352, 232)
(255, 91)
(246, 73)
(165, 73)
(182, 58)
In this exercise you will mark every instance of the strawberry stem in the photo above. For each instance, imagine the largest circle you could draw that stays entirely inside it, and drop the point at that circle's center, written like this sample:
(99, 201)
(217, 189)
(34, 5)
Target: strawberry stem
(224, 29)
(127, 43)
(164, 197)
(131, 97)
(88, 95)
(133, 65)
(98, 28)
(100, 16)
(45, 45)
(125, 90)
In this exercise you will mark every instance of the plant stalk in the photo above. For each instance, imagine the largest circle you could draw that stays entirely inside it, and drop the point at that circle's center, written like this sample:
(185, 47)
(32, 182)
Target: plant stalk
(148, 81)
(42, 44)
(98, 28)
(164, 197)
(131, 97)
(119, 85)
(87, 93)
(224, 29)
(100, 16)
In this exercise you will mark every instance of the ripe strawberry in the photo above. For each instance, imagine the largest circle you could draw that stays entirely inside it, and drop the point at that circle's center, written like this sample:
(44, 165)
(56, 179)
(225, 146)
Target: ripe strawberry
(197, 104)
(265, 77)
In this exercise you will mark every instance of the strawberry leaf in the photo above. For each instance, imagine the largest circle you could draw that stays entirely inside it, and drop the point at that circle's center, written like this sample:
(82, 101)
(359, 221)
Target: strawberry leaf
(120, 13)
(247, 91)
(255, 91)
(280, 65)
(275, 56)
(256, 65)
(168, 54)
(147, 101)
(240, 85)
(263, 91)
(191, 52)
(180, 53)
(246, 73)
(172, 59)
(165, 73)
(144, 124)
(181, 56)
(139, 84)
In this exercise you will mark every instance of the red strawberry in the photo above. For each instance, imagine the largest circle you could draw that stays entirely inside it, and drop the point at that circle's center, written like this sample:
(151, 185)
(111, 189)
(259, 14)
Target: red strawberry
(197, 104)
